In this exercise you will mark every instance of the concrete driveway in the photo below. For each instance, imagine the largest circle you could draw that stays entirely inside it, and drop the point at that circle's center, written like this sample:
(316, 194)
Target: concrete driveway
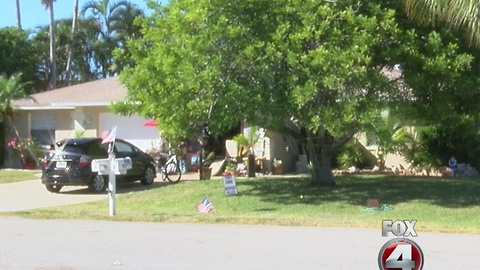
(32, 194)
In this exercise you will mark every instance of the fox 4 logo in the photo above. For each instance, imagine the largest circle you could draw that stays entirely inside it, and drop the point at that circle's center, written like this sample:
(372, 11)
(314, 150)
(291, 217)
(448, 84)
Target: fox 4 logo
(403, 228)
(400, 252)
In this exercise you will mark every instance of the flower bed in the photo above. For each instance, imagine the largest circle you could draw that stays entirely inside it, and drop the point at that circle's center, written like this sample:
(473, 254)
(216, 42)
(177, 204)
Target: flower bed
(27, 150)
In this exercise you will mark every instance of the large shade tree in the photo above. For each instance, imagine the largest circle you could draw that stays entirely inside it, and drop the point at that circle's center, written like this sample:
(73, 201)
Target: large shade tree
(438, 78)
(441, 69)
(18, 54)
(314, 66)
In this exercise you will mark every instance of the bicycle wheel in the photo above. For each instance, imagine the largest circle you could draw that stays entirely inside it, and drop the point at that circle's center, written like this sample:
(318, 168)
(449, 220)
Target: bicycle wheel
(172, 172)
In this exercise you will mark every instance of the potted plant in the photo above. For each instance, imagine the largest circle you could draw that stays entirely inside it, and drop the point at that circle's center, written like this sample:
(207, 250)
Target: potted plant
(231, 168)
(207, 161)
(277, 166)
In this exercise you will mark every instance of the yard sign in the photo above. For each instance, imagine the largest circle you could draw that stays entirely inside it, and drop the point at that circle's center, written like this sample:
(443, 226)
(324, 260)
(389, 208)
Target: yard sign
(229, 184)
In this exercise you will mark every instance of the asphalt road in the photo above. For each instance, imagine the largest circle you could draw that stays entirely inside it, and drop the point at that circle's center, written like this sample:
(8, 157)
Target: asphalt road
(83, 244)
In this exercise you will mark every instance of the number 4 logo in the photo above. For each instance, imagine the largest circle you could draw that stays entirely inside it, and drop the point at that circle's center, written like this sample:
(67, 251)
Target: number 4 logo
(400, 253)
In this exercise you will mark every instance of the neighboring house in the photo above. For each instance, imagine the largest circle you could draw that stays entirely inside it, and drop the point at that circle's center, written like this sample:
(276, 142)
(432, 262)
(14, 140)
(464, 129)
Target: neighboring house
(82, 108)
(391, 159)
(270, 146)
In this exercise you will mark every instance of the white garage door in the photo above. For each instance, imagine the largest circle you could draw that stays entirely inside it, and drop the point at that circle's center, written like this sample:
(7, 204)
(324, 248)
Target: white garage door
(131, 129)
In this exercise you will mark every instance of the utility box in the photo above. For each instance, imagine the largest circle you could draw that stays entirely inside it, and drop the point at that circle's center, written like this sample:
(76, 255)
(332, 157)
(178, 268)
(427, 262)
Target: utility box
(120, 166)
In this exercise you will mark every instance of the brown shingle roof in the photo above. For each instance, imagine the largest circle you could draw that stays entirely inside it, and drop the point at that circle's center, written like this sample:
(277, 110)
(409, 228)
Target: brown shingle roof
(100, 91)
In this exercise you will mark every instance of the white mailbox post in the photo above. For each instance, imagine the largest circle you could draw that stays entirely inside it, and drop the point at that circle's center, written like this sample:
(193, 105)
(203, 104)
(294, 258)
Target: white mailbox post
(111, 166)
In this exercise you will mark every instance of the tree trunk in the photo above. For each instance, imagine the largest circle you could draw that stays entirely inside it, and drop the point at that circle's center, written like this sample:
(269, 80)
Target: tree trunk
(19, 20)
(8, 125)
(68, 71)
(53, 57)
(320, 154)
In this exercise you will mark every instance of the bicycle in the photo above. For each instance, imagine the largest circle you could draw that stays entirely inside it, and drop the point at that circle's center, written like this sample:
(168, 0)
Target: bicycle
(169, 166)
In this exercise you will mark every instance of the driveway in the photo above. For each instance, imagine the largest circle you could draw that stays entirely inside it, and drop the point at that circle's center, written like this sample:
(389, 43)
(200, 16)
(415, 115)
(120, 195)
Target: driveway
(32, 194)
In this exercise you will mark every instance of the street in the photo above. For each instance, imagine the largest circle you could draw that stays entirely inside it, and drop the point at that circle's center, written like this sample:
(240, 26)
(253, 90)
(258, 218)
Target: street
(82, 244)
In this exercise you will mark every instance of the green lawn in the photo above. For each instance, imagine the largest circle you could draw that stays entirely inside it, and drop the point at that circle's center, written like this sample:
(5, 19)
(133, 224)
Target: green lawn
(441, 205)
(10, 176)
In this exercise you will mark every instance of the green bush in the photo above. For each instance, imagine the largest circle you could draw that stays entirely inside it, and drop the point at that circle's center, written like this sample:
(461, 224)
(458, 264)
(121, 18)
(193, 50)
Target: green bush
(352, 155)
(459, 137)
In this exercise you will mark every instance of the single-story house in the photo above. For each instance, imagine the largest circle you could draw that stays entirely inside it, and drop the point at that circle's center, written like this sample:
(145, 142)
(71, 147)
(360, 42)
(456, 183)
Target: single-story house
(80, 110)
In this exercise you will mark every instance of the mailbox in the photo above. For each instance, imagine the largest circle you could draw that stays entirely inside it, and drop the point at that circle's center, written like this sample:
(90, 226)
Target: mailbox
(120, 165)
(102, 166)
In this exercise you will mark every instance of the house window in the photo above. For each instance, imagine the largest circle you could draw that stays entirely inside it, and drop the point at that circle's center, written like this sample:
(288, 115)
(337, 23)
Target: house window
(43, 127)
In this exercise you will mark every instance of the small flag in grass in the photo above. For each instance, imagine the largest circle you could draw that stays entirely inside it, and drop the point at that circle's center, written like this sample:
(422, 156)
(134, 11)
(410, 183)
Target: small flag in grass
(205, 206)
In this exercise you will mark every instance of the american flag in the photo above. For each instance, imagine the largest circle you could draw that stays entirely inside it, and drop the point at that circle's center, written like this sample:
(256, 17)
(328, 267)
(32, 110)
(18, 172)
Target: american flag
(205, 206)
(109, 135)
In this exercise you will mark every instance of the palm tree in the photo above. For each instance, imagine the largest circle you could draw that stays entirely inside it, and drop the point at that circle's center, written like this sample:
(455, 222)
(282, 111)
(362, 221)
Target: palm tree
(458, 14)
(11, 88)
(68, 70)
(53, 59)
(19, 21)
(83, 50)
(116, 19)
(123, 22)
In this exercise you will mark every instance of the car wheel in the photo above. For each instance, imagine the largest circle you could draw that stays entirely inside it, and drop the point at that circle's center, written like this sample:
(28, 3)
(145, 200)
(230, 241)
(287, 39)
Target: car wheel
(98, 184)
(54, 188)
(148, 176)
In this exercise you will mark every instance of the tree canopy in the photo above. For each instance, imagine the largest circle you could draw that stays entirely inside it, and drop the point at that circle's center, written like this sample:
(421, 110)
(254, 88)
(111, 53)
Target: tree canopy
(18, 55)
(315, 66)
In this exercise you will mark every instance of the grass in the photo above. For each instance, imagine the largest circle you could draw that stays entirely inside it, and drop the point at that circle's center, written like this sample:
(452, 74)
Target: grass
(439, 205)
(10, 176)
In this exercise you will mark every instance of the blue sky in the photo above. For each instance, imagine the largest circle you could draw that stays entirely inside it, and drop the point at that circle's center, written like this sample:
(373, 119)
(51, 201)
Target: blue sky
(34, 14)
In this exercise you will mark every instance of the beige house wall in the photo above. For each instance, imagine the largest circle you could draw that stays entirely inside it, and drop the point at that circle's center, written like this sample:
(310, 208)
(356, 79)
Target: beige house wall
(279, 148)
(85, 119)
(391, 159)
(64, 126)
(21, 121)
(85, 122)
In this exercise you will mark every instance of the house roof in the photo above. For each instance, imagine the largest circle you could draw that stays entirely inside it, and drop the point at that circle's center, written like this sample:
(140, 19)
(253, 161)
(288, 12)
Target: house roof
(94, 93)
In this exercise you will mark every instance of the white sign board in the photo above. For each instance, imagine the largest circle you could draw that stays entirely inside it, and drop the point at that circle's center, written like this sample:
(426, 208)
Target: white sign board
(229, 184)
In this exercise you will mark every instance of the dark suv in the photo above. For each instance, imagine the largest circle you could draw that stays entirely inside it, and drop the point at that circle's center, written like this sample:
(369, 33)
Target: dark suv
(69, 164)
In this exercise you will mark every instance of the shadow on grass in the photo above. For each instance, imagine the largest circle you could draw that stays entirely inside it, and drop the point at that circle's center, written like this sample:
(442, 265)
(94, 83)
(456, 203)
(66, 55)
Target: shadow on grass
(356, 190)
